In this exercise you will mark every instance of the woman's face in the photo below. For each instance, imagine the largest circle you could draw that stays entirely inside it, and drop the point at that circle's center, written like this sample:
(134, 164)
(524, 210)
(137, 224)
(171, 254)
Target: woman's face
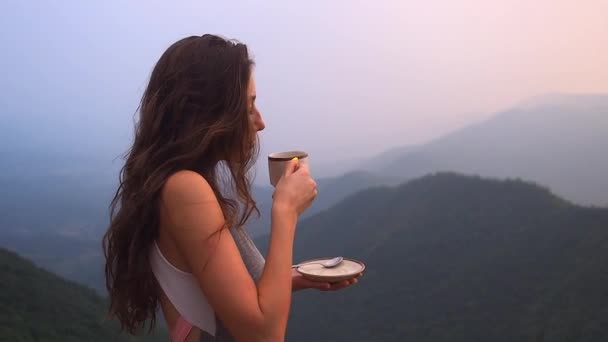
(254, 114)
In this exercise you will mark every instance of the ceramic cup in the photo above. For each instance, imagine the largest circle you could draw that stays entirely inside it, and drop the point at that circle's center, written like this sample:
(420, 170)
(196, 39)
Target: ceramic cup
(278, 160)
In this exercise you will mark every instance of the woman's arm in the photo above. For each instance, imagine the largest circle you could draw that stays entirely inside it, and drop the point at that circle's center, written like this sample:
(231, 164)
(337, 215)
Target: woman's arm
(250, 312)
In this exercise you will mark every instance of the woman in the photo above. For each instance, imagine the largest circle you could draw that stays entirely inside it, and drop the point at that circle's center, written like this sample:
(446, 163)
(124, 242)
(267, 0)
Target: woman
(176, 237)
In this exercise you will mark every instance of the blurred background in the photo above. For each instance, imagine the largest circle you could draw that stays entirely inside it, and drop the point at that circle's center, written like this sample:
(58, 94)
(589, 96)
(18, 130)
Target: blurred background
(460, 149)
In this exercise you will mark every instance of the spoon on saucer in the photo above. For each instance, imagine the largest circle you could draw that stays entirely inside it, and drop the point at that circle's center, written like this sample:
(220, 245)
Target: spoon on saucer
(327, 263)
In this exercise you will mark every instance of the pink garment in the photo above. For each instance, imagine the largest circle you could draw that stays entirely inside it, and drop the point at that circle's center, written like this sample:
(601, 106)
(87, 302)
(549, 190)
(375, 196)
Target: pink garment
(181, 330)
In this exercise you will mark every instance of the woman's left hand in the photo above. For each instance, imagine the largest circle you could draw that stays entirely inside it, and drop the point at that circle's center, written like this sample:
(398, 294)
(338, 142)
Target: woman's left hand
(298, 282)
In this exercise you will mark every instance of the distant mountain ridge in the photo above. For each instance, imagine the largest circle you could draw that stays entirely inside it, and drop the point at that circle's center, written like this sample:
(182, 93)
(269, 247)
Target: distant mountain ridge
(75, 210)
(331, 191)
(36, 305)
(559, 141)
(458, 258)
(77, 259)
(70, 192)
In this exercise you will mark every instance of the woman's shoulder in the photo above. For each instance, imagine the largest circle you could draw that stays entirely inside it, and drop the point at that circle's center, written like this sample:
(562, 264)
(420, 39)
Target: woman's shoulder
(187, 186)
(189, 201)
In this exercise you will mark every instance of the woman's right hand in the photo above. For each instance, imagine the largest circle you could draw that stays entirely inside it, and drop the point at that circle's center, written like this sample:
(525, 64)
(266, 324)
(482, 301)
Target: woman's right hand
(296, 189)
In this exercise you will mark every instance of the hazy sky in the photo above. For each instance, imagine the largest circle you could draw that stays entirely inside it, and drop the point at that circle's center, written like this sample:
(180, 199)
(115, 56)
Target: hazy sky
(330, 74)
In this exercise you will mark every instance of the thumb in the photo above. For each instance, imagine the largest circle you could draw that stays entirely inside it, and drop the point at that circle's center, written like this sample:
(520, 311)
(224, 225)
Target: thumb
(291, 166)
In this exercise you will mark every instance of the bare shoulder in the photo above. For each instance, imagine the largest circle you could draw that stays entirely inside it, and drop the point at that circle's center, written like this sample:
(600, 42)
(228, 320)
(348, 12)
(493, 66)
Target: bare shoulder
(187, 186)
(189, 202)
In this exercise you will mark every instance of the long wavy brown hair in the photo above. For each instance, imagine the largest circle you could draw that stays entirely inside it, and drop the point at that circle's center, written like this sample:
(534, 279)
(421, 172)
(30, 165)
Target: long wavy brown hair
(193, 115)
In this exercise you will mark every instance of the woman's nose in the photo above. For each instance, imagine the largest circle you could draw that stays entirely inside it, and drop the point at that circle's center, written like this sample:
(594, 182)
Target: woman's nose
(260, 123)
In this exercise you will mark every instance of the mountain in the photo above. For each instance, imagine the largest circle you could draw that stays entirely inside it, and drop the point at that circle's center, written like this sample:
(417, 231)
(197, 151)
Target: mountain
(458, 258)
(36, 305)
(384, 159)
(74, 258)
(559, 141)
(331, 191)
(67, 206)
(54, 204)
(60, 227)
(55, 182)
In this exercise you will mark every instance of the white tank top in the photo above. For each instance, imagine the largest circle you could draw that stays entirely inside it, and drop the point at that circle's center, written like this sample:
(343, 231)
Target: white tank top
(183, 291)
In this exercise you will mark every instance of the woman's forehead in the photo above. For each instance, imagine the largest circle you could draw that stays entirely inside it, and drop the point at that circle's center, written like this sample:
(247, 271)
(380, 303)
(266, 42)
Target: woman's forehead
(252, 89)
